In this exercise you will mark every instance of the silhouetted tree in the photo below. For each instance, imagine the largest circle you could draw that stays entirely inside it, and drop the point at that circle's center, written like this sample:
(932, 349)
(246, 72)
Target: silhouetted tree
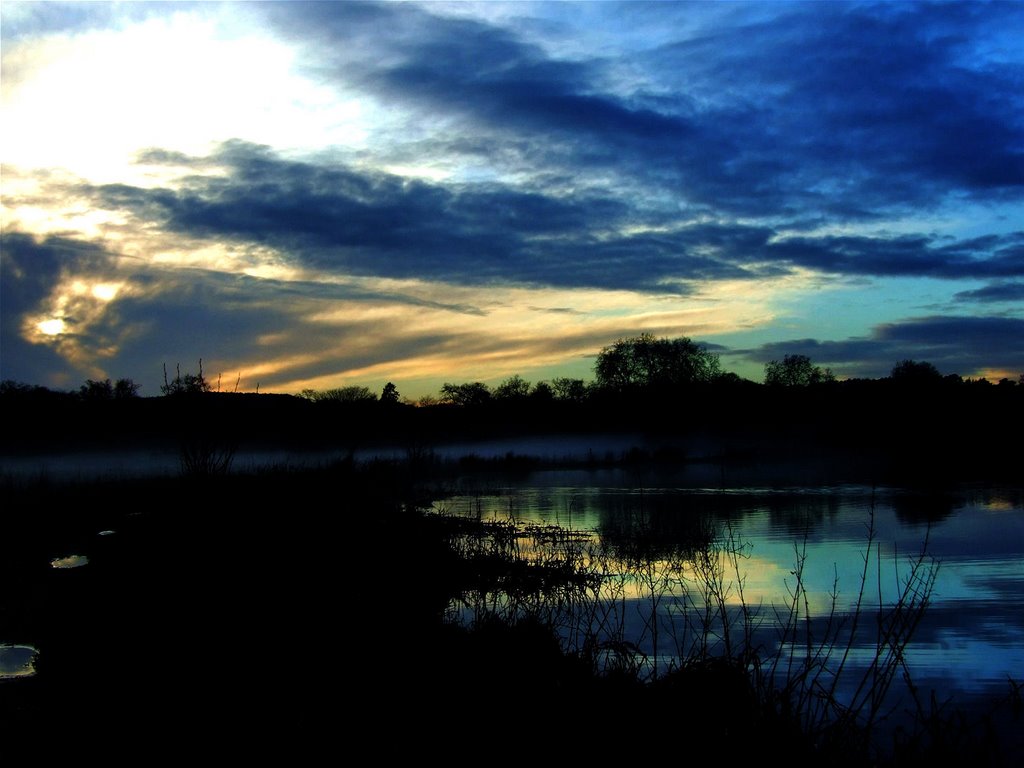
(122, 389)
(474, 393)
(390, 394)
(95, 391)
(125, 389)
(795, 371)
(731, 379)
(645, 361)
(16, 391)
(9, 387)
(914, 372)
(573, 390)
(513, 388)
(352, 394)
(189, 384)
(542, 392)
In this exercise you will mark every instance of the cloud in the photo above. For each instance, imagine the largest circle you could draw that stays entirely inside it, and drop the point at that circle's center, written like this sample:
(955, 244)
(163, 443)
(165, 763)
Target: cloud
(349, 221)
(31, 265)
(902, 256)
(30, 269)
(958, 344)
(346, 220)
(30, 19)
(994, 292)
(845, 109)
(866, 107)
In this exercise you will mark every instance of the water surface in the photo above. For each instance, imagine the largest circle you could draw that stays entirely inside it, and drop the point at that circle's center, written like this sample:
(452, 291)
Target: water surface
(968, 541)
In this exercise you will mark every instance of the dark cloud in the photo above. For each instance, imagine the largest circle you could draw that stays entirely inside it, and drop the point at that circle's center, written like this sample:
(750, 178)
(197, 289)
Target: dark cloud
(556, 310)
(29, 270)
(357, 222)
(866, 107)
(995, 292)
(349, 221)
(962, 345)
(851, 110)
(505, 90)
(901, 256)
(32, 265)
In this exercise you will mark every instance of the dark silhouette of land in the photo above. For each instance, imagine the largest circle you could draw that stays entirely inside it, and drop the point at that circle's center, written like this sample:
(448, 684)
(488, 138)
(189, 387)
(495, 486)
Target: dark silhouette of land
(899, 428)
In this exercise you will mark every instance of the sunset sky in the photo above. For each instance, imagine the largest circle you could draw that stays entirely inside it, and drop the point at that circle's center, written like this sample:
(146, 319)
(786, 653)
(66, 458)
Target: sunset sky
(330, 194)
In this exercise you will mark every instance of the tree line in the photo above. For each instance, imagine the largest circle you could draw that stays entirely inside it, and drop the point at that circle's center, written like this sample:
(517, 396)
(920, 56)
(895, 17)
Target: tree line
(638, 365)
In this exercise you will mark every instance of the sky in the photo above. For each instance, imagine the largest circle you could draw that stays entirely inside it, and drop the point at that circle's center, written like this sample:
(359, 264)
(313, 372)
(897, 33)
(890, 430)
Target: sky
(316, 195)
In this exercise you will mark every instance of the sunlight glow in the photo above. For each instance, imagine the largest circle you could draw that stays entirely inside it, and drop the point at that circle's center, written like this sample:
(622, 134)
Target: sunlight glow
(88, 102)
(489, 335)
(52, 327)
(106, 291)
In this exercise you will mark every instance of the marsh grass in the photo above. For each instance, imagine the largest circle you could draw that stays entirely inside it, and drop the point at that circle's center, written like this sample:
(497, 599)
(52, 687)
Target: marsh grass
(667, 618)
(205, 456)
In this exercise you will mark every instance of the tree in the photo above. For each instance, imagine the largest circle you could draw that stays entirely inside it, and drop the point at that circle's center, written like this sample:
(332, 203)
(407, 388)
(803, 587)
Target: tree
(912, 371)
(189, 384)
(390, 394)
(475, 393)
(572, 390)
(795, 371)
(513, 388)
(125, 389)
(95, 391)
(542, 393)
(644, 361)
(351, 394)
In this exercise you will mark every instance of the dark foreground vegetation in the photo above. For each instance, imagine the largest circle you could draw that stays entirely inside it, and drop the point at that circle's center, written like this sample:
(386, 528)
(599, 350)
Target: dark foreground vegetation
(280, 613)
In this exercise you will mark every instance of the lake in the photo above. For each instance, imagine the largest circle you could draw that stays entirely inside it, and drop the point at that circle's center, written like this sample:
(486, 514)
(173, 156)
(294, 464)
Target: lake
(966, 645)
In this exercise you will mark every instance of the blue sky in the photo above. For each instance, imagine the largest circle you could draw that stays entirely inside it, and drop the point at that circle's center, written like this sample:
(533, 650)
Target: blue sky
(323, 194)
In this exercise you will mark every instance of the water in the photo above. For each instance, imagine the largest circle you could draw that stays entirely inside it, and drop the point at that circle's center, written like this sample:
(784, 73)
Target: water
(70, 561)
(970, 639)
(17, 661)
(968, 543)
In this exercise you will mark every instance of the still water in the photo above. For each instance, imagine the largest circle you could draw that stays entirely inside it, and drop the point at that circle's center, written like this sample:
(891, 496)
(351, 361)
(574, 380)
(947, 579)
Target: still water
(968, 543)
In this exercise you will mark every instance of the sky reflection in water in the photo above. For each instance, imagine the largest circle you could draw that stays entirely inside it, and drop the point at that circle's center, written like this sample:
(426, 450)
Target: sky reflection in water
(971, 637)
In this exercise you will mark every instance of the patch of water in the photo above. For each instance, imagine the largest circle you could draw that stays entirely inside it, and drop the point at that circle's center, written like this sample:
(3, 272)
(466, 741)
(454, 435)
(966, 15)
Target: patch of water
(71, 561)
(17, 661)
(970, 637)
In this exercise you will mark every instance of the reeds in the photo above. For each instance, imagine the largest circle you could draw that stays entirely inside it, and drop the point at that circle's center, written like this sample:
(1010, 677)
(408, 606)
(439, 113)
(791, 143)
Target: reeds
(205, 456)
(657, 618)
